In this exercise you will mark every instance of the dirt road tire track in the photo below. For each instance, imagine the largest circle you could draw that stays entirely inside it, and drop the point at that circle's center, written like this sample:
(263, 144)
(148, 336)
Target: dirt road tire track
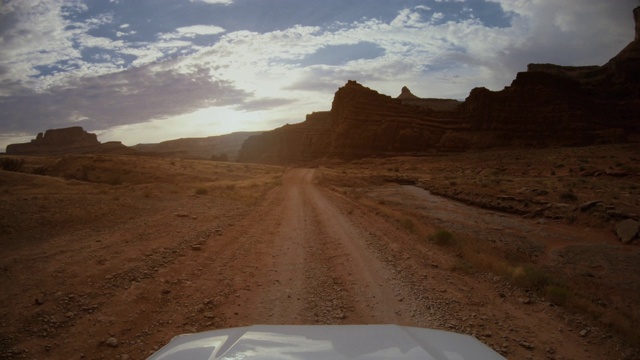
(320, 270)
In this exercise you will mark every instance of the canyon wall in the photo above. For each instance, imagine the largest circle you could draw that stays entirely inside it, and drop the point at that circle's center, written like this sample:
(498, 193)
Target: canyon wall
(548, 105)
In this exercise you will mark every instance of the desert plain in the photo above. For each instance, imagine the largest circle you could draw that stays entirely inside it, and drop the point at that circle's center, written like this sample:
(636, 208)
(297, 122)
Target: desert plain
(110, 256)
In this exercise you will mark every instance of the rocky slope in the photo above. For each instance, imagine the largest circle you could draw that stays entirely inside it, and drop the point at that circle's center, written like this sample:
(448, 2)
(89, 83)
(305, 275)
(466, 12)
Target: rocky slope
(548, 105)
(72, 140)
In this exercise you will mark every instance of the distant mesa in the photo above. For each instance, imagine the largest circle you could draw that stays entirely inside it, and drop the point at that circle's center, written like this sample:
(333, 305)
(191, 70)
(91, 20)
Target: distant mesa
(548, 105)
(71, 140)
(222, 147)
(75, 140)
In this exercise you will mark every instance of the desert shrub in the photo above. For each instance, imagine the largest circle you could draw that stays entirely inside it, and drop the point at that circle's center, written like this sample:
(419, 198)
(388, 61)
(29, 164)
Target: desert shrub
(40, 170)
(221, 157)
(557, 294)
(442, 238)
(408, 224)
(11, 164)
(201, 191)
(463, 266)
(531, 277)
(114, 180)
(568, 196)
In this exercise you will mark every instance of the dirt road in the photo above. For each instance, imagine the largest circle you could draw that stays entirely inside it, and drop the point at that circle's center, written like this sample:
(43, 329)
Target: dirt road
(312, 264)
(306, 255)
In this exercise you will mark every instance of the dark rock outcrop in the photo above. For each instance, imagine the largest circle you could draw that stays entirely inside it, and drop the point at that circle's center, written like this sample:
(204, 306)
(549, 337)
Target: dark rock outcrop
(548, 105)
(290, 143)
(63, 141)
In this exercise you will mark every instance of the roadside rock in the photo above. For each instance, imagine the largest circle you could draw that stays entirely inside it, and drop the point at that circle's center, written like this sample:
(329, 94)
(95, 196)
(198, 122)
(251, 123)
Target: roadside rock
(112, 342)
(627, 230)
(526, 345)
(40, 299)
(590, 204)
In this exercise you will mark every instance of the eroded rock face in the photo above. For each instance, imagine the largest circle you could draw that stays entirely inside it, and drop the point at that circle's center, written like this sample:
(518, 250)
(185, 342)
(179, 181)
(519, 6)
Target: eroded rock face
(366, 123)
(407, 98)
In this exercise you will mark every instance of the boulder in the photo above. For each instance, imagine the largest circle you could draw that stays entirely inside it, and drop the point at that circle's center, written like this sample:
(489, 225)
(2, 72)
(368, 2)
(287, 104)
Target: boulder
(627, 230)
(590, 204)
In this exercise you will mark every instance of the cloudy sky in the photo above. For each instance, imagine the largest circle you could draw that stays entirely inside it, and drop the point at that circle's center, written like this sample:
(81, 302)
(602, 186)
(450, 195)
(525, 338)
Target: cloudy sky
(142, 71)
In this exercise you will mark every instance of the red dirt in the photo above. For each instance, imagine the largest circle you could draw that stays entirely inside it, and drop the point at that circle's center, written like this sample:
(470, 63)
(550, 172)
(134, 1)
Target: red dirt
(144, 269)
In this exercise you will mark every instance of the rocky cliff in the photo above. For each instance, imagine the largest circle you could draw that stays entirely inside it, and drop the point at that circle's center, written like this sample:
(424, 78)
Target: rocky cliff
(366, 123)
(64, 141)
(548, 105)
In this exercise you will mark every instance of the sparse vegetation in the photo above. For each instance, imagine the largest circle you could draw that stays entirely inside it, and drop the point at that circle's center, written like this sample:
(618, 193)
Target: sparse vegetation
(568, 196)
(530, 277)
(442, 238)
(11, 164)
(557, 294)
(408, 224)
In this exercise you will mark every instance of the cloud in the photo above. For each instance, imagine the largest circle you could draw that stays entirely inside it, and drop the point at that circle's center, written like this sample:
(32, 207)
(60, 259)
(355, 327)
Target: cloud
(342, 54)
(133, 96)
(571, 32)
(213, 2)
(33, 33)
(192, 32)
(264, 104)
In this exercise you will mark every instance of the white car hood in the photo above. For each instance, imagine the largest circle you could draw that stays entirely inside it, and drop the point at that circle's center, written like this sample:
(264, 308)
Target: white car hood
(293, 342)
